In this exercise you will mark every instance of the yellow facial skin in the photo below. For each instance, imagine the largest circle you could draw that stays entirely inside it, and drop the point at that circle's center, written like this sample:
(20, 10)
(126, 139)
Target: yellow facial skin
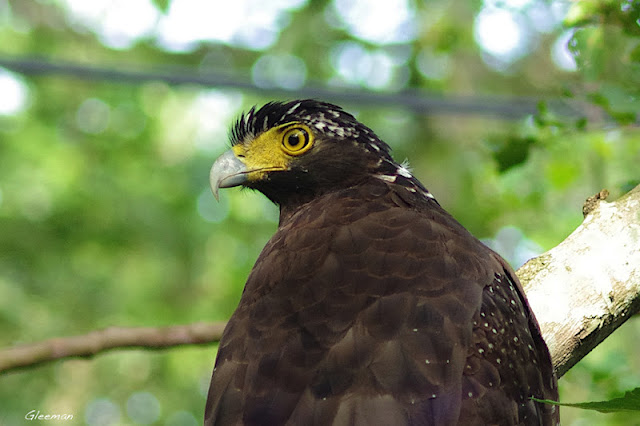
(274, 149)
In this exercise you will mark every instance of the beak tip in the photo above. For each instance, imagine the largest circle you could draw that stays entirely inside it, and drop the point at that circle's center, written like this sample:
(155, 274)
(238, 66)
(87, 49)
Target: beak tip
(227, 171)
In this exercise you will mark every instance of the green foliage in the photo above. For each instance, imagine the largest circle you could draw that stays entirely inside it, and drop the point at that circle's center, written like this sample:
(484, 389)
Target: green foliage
(606, 46)
(106, 217)
(629, 402)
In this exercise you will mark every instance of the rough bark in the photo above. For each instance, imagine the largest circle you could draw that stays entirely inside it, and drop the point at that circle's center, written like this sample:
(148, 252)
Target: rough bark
(588, 285)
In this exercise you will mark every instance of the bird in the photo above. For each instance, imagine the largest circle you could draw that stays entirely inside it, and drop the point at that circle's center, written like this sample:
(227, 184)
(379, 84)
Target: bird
(370, 305)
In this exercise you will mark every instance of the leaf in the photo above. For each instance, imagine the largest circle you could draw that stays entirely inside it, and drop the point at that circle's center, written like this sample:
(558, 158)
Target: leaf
(629, 402)
(162, 5)
(514, 151)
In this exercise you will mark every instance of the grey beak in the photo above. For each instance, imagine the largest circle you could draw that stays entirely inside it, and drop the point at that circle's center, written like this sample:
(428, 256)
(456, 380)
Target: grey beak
(226, 172)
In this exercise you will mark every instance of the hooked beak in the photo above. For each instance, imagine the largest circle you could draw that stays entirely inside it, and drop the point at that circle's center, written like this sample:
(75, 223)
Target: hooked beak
(226, 172)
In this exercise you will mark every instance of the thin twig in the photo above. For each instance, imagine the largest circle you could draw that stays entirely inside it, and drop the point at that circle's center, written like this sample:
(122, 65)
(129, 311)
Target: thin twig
(415, 100)
(95, 342)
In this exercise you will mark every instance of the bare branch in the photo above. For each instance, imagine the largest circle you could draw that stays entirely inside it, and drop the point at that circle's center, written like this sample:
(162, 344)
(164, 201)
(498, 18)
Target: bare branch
(581, 291)
(418, 101)
(98, 341)
(587, 286)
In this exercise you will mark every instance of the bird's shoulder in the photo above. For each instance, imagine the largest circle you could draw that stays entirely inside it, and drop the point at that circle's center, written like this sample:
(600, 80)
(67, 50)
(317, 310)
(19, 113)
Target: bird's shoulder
(381, 225)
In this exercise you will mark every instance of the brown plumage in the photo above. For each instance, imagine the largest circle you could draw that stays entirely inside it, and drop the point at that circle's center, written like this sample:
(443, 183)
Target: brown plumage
(370, 305)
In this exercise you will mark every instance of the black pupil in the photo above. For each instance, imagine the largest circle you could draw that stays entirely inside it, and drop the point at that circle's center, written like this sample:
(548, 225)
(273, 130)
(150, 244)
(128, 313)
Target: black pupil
(296, 139)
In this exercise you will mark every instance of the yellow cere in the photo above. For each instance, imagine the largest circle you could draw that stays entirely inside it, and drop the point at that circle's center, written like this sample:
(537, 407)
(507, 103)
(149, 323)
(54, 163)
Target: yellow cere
(274, 149)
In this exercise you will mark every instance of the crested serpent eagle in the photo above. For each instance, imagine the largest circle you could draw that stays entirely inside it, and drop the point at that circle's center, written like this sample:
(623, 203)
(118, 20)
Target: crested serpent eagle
(370, 305)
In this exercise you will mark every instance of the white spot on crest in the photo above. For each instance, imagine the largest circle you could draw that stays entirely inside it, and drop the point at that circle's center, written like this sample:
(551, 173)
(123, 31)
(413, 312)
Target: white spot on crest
(293, 108)
(403, 171)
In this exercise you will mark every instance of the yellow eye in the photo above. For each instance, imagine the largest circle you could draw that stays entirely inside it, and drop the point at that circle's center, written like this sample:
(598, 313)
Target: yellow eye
(296, 141)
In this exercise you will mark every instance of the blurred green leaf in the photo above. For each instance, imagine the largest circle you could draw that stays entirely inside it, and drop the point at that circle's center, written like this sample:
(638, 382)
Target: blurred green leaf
(162, 5)
(512, 151)
(629, 402)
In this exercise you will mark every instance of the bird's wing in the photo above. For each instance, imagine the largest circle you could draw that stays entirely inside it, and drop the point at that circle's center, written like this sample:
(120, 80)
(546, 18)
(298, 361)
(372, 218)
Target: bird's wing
(360, 311)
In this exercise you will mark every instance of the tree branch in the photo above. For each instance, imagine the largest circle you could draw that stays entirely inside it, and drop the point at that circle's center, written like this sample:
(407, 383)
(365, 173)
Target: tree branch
(581, 291)
(95, 342)
(588, 285)
(418, 101)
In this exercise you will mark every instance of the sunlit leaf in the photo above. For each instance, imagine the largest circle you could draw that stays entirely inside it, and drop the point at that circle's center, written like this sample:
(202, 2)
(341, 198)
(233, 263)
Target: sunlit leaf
(629, 402)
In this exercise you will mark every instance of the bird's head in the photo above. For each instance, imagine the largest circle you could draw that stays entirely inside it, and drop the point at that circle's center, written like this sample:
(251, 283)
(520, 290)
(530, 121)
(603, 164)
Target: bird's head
(301, 149)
